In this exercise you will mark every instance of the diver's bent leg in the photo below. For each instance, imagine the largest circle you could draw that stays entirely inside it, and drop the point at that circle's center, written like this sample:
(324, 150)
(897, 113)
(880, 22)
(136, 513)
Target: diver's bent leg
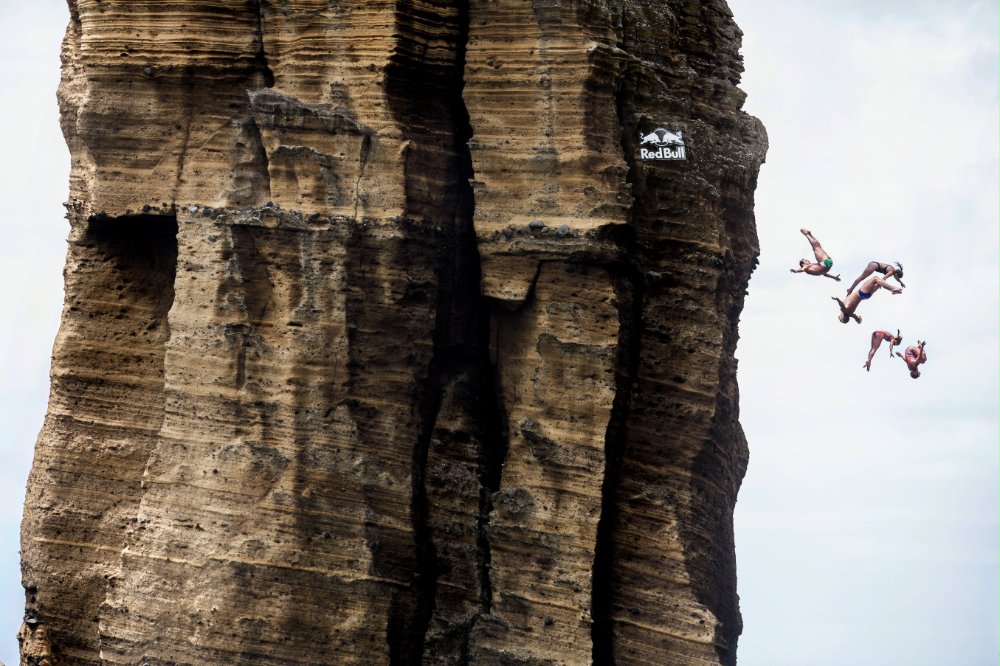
(885, 285)
(869, 269)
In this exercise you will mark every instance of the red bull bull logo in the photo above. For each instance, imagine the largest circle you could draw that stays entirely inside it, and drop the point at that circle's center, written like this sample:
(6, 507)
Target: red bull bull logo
(661, 144)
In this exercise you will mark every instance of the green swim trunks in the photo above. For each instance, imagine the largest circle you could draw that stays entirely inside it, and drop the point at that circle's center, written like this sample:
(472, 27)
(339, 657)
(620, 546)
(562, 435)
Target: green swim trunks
(828, 262)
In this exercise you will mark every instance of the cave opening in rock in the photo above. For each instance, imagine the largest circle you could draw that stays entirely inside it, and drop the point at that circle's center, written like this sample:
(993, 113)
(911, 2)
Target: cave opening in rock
(133, 259)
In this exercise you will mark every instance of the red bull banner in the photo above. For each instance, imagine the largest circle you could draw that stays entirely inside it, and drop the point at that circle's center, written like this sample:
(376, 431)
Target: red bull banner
(661, 144)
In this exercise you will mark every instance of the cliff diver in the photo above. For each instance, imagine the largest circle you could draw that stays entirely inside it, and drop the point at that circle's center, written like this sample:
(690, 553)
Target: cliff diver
(877, 338)
(914, 356)
(823, 262)
(888, 270)
(863, 293)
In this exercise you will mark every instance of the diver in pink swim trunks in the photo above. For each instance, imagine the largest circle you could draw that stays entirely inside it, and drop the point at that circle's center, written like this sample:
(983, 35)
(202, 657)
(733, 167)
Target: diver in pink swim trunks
(914, 356)
(823, 262)
(862, 293)
(877, 338)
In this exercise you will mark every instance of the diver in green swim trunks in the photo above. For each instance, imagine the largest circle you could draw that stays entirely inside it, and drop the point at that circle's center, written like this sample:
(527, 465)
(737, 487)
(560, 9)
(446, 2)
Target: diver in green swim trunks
(823, 262)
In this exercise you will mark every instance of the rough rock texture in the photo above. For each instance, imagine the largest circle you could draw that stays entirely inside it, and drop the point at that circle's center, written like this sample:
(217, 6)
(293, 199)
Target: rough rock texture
(382, 345)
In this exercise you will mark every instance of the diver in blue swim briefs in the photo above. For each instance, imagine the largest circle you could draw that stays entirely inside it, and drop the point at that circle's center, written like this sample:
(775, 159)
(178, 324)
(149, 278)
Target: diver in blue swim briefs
(863, 293)
(823, 262)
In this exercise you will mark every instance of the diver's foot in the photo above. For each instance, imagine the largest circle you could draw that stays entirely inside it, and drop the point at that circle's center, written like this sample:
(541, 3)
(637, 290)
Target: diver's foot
(805, 232)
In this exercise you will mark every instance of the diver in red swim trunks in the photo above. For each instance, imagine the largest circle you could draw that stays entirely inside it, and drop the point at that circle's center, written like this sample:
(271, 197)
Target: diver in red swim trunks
(888, 270)
(863, 293)
(823, 262)
(914, 356)
(877, 338)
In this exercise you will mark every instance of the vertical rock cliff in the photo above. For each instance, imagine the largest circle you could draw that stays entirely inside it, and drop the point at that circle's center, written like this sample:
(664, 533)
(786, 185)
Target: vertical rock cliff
(384, 344)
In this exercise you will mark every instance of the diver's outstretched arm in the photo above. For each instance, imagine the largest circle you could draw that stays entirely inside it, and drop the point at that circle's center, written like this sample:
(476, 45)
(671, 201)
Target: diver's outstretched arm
(897, 273)
(892, 345)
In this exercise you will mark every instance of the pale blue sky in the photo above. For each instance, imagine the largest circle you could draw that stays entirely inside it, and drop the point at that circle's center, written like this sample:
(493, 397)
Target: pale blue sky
(867, 524)
(866, 529)
(34, 168)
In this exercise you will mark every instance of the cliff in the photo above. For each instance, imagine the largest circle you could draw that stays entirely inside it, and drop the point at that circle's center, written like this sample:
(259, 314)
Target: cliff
(383, 341)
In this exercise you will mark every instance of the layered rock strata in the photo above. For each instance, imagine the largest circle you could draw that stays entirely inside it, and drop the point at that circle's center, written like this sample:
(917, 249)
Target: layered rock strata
(383, 345)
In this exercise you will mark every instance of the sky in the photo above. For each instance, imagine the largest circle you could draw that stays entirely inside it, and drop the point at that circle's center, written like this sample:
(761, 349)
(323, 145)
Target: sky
(34, 173)
(867, 525)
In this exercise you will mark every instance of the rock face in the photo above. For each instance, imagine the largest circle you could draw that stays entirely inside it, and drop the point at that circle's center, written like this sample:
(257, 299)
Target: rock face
(382, 342)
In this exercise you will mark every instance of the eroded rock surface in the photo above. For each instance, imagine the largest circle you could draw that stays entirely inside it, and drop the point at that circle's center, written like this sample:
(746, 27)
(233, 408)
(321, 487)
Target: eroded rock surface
(382, 344)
